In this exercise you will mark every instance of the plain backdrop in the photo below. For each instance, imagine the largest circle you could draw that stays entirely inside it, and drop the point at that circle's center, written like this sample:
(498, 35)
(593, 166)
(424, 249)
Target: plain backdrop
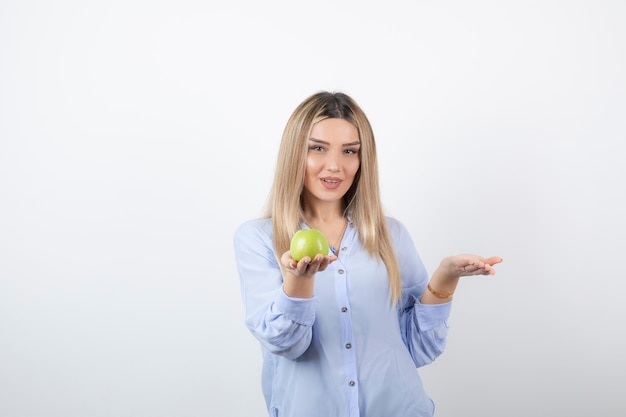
(136, 135)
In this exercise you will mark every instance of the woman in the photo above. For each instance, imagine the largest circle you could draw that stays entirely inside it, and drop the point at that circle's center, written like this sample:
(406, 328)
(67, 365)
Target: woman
(341, 334)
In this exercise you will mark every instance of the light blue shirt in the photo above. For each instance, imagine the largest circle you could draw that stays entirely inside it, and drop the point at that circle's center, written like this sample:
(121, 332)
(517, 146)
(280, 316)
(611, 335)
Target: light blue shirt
(346, 352)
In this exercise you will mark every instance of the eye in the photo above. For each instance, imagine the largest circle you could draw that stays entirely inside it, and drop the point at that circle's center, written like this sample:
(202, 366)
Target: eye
(351, 151)
(316, 148)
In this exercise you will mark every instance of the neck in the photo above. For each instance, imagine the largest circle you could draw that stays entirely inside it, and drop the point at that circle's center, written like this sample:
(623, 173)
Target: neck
(324, 217)
(331, 223)
(322, 212)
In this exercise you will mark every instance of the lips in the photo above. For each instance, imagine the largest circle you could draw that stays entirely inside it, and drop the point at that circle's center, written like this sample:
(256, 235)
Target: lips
(330, 182)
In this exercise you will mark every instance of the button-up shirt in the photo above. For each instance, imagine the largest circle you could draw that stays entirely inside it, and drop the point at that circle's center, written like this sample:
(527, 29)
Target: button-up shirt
(347, 351)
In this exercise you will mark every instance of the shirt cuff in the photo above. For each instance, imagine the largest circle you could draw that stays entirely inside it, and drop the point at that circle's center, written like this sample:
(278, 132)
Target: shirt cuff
(430, 316)
(300, 310)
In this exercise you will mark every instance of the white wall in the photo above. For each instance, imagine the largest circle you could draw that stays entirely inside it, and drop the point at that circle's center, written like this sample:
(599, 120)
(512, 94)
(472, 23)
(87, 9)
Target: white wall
(136, 135)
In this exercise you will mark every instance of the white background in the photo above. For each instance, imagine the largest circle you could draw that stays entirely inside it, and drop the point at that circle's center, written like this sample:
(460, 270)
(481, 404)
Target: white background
(136, 135)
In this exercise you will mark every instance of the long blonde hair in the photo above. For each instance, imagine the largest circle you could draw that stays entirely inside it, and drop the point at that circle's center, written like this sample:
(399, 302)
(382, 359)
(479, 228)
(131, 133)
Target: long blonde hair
(362, 201)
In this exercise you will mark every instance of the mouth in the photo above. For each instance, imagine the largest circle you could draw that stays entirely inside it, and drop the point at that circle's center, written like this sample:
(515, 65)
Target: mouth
(330, 182)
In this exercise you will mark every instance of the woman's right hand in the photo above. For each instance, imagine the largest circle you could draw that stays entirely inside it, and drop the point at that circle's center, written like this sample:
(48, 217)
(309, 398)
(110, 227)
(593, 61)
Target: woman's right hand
(306, 267)
(298, 280)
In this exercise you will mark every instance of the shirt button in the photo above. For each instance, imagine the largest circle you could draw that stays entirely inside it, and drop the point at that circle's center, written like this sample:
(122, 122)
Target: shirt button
(344, 309)
(340, 271)
(348, 345)
(352, 383)
(345, 248)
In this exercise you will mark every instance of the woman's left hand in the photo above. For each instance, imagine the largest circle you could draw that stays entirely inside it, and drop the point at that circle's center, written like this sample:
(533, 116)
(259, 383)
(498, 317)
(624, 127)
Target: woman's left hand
(467, 265)
(445, 278)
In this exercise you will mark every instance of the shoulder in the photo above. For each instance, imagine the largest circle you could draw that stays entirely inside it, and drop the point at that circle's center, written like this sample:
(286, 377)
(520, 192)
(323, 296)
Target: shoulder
(254, 236)
(395, 226)
(262, 225)
(399, 233)
(254, 229)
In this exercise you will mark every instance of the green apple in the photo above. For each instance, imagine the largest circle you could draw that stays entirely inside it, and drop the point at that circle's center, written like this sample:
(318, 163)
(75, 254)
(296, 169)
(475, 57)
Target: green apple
(308, 242)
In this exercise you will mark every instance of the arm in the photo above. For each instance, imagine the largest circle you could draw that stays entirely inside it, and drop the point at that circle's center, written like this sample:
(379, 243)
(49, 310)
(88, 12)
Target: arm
(279, 309)
(281, 323)
(424, 327)
(423, 312)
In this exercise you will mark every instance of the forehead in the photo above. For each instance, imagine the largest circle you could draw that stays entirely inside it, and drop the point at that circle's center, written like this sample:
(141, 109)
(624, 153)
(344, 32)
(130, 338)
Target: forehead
(332, 130)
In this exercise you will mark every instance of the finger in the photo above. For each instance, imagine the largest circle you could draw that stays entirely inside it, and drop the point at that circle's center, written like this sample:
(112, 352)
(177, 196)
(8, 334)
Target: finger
(328, 260)
(302, 265)
(314, 265)
(316, 261)
(478, 268)
(492, 260)
(488, 270)
(287, 260)
(292, 268)
(323, 264)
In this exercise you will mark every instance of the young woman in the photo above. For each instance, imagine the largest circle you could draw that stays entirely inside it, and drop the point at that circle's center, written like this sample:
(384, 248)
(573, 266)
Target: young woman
(341, 334)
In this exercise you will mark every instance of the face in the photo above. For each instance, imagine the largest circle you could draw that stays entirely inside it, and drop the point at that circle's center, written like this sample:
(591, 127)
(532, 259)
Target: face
(332, 160)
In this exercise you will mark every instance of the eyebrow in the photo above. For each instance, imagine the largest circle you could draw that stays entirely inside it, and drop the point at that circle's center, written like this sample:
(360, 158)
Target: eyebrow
(358, 142)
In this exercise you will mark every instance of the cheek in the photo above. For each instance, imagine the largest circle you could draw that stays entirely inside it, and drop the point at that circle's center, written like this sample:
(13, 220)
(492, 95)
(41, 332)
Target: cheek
(313, 164)
(311, 167)
(309, 164)
(354, 167)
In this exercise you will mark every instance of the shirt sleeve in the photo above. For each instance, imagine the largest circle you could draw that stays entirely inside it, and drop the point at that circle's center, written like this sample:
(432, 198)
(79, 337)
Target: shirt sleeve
(424, 327)
(282, 324)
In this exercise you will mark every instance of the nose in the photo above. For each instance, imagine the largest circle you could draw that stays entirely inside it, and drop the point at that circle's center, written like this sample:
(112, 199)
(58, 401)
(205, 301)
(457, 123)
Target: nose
(332, 163)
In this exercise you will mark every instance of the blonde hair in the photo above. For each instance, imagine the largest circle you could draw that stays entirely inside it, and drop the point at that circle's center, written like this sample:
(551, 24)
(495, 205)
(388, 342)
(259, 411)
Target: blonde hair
(362, 201)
